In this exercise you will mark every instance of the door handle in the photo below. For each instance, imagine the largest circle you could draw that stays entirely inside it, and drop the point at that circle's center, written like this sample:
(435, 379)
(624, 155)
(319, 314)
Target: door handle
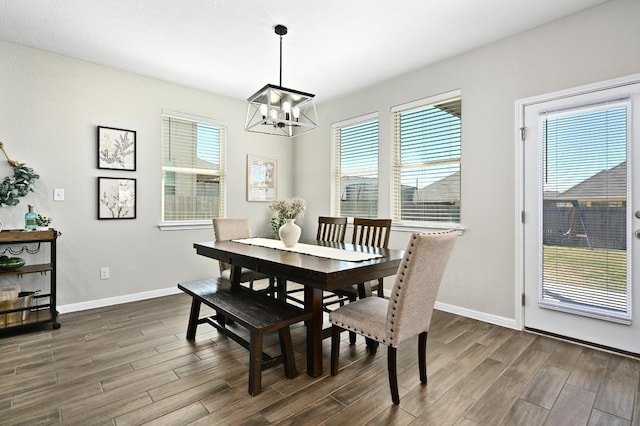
(638, 214)
(637, 233)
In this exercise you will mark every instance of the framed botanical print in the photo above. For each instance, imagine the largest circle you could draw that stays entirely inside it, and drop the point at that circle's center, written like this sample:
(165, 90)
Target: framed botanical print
(262, 178)
(116, 198)
(116, 149)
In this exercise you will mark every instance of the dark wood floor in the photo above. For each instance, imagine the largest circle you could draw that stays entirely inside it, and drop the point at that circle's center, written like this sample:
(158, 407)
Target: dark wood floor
(130, 365)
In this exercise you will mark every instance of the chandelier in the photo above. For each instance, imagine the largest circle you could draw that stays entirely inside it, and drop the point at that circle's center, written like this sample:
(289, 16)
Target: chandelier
(276, 110)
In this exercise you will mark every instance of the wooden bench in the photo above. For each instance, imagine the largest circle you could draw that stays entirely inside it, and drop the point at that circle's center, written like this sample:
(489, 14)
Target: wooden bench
(254, 311)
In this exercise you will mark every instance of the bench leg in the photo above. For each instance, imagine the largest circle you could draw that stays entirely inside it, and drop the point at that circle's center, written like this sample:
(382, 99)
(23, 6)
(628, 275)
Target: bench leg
(193, 319)
(287, 353)
(255, 364)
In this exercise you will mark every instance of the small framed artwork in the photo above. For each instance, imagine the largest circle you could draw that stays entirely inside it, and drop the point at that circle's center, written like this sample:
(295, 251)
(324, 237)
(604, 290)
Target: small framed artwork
(116, 149)
(116, 198)
(262, 178)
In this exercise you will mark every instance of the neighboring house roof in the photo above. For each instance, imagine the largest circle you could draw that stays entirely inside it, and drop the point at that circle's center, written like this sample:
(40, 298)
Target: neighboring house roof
(446, 189)
(608, 184)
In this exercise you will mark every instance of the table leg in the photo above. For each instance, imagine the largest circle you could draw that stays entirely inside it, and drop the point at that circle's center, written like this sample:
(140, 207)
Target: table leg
(313, 303)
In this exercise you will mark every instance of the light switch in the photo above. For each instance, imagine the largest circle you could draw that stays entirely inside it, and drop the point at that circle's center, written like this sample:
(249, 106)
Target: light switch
(58, 194)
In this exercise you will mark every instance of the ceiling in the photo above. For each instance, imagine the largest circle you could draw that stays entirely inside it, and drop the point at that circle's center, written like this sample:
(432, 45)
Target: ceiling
(229, 46)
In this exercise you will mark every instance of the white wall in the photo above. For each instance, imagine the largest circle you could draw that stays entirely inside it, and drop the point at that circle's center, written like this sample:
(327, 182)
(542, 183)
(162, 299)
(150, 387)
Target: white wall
(49, 109)
(50, 106)
(597, 44)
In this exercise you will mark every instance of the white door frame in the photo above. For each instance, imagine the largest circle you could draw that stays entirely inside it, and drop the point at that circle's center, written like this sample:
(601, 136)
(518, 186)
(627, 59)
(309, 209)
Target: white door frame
(520, 106)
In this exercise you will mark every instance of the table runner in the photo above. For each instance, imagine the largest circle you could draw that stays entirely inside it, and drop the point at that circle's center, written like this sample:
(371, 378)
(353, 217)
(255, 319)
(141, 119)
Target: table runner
(311, 249)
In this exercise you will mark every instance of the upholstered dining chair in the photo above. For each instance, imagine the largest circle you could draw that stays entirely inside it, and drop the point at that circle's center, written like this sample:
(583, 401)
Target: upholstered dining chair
(407, 313)
(231, 229)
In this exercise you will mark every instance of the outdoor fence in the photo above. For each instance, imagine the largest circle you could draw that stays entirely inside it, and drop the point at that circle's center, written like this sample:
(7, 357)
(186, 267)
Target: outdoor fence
(594, 227)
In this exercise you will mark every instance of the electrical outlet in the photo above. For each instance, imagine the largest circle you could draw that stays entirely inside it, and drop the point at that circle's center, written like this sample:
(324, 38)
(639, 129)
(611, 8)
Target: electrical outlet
(104, 273)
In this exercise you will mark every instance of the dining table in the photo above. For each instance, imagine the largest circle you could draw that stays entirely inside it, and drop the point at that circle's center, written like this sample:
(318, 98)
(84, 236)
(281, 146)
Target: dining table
(316, 265)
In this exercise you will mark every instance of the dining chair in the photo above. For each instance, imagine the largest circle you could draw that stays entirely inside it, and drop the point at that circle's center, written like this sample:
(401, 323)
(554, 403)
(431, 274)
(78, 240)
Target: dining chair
(330, 230)
(225, 229)
(408, 311)
(375, 233)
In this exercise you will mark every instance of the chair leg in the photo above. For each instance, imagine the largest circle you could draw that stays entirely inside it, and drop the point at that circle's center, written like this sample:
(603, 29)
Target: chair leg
(380, 287)
(335, 348)
(422, 356)
(352, 335)
(393, 374)
(272, 286)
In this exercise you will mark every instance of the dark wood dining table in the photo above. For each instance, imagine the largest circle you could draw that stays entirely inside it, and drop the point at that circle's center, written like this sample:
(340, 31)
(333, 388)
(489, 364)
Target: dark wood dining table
(315, 273)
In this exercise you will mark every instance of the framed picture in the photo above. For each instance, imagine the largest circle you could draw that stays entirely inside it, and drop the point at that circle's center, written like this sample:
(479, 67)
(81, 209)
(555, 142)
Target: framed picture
(116, 149)
(116, 198)
(262, 178)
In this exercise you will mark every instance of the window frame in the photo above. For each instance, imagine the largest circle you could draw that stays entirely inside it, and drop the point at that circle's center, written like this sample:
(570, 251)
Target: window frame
(221, 172)
(396, 166)
(336, 170)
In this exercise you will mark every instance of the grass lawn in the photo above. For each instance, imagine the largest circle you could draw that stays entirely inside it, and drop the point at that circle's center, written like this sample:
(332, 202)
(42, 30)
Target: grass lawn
(585, 267)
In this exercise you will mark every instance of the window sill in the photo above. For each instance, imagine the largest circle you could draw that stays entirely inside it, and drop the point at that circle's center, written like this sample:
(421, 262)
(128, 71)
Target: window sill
(408, 227)
(181, 226)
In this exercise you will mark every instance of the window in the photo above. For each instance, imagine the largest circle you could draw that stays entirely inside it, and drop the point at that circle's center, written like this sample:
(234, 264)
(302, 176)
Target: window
(192, 168)
(355, 162)
(584, 216)
(426, 165)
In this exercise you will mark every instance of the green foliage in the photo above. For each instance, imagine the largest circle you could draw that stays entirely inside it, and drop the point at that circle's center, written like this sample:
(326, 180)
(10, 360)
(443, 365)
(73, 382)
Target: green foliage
(276, 222)
(20, 184)
(43, 220)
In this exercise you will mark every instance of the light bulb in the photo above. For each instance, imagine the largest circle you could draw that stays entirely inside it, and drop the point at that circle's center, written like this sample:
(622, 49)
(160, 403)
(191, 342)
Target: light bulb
(286, 107)
(263, 110)
(273, 114)
(296, 113)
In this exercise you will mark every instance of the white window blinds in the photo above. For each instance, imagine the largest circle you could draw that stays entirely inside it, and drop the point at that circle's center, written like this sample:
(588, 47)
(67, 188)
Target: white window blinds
(426, 165)
(355, 167)
(192, 168)
(584, 210)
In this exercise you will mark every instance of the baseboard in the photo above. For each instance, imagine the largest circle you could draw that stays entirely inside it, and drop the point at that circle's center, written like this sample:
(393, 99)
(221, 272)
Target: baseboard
(100, 303)
(480, 316)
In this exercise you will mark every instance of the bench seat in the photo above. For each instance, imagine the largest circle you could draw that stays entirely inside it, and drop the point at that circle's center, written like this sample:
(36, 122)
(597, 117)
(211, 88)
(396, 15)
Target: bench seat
(256, 312)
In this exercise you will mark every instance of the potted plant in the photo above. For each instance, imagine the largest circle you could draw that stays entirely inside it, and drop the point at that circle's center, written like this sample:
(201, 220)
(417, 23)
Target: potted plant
(42, 222)
(286, 212)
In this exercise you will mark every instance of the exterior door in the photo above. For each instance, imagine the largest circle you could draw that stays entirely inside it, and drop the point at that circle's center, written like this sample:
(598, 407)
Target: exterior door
(580, 195)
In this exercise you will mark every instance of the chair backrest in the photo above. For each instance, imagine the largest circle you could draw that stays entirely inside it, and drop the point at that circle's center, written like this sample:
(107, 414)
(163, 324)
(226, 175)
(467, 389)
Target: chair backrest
(230, 229)
(416, 285)
(331, 229)
(371, 232)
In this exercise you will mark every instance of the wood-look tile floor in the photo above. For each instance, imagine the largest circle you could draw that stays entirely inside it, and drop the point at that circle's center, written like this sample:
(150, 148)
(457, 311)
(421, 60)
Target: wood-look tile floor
(130, 364)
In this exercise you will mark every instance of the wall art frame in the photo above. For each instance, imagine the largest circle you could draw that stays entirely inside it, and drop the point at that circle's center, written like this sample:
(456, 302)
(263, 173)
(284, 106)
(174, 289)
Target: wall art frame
(262, 178)
(116, 148)
(117, 198)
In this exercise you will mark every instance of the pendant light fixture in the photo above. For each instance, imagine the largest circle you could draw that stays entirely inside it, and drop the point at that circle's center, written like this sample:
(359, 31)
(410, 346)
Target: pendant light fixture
(276, 110)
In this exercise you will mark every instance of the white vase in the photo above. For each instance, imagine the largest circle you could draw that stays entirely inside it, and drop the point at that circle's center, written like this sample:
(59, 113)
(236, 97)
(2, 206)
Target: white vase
(289, 233)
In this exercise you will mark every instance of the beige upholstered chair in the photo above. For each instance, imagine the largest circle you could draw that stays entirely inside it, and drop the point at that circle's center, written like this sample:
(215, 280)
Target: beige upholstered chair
(230, 229)
(407, 313)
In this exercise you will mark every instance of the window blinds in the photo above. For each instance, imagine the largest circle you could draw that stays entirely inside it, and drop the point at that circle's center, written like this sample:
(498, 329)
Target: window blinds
(426, 167)
(193, 169)
(584, 226)
(355, 178)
